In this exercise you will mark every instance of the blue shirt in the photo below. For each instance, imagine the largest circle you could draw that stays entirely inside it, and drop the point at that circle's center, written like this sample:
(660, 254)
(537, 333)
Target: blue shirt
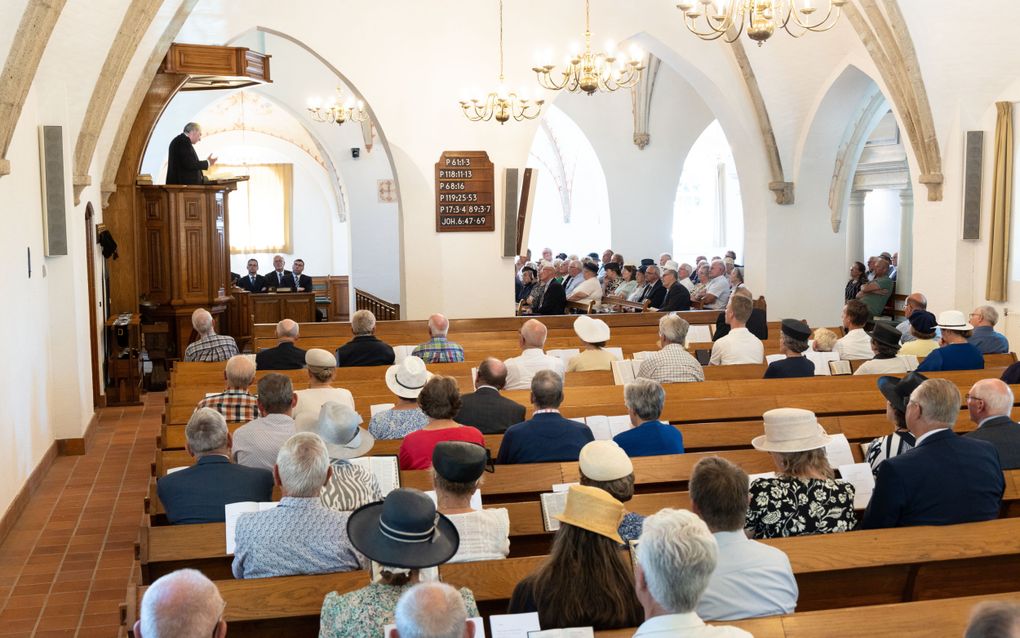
(546, 438)
(955, 356)
(988, 341)
(651, 438)
(750, 580)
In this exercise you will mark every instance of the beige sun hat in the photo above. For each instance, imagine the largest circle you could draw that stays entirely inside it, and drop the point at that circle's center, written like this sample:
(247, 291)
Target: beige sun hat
(407, 378)
(604, 461)
(320, 359)
(591, 330)
(594, 510)
(953, 320)
(791, 430)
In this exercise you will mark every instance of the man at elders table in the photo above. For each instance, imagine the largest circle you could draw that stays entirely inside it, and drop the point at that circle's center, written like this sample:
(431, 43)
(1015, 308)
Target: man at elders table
(280, 277)
(183, 165)
(253, 281)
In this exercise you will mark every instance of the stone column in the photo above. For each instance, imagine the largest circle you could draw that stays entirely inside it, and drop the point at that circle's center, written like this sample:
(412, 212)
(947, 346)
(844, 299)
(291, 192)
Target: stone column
(855, 227)
(906, 241)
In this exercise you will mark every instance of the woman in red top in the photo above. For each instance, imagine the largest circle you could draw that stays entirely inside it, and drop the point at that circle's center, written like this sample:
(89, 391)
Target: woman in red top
(440, 401)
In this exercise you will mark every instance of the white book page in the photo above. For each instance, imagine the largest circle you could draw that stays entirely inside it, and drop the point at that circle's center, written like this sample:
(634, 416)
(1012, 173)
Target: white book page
(821, 361)
(698, 334)
(761, 475)
(618, 424)
(476, 621)
(476, 499)
(624, 371)
(638, 356)
(176, 469)
(838, 367)
(617, 352)
(839, 452)
(385, 469)
(599, 427)
(772, 358)
(231, 512)
(860, 476)
(562, 487)
(564, 355)
(569, 632)
(514, 625)
(381, 407)
(402, 352)
(553, 504)
(910, 360)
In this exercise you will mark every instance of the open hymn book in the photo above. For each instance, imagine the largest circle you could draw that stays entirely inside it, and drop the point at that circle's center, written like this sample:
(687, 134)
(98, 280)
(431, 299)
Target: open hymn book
(553, 503)
(385, 469)
(626, 370)
(233, 511)
(604, 428)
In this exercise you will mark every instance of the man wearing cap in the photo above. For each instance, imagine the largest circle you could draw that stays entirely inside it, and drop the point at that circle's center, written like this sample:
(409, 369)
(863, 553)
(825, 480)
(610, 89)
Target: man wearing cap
(235, 403)
(655, 292)
(984, 336)
(300, 535)
(956, 352)
(923, 333)
(485, 408)
(457, 469)
(856, 343)
(198, 493)
(672, 363)
(793, 341)
(547, 297)
(210, 346)
(285, 355)
(589, 289)
(604, 464)
(364, 349)
(594, 333)
(876, 292)
(349, 486)
(644, 399)
(885, 343)
(520, 369)
(547, 437)
(677, 296)
(946, 479)
(574, 277)
(739, 346)
(438, 349)
(914, 302)
(257, 443)
(990, 402)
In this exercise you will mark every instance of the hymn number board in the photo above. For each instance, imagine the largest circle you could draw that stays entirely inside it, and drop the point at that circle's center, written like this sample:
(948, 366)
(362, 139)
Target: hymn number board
(464, 192)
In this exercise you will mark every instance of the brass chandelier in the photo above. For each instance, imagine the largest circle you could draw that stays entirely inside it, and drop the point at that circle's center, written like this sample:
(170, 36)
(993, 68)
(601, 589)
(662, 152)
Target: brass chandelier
(727, 18)
(591, 72)
(501, 104)
(337, 110)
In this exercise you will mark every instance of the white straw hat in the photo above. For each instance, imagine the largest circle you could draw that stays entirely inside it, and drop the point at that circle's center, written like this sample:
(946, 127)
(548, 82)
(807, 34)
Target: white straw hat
(407, 378)
(604, 461)
(591, 330)
(953, 320)
(337, 424)
(791, 430)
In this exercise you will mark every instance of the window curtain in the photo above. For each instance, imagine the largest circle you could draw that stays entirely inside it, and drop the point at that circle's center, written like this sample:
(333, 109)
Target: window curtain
(1002, 205)
(261, 209)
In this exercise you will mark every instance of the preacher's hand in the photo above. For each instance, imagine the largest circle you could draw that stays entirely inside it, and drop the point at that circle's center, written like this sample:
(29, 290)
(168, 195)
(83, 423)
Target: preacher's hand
(211, 159)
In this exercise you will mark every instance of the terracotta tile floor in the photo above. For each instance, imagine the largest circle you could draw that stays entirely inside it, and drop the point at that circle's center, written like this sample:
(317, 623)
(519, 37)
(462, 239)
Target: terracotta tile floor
(65, 567)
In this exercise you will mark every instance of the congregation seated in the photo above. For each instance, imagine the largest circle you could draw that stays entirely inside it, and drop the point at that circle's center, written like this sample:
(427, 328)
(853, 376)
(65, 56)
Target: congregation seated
(485, 408)
(990, 402)
(574, 275)
(700, 279)
(946, 479)
(439, 400)
(405, 381)
(198, 493)
(285, 355)
(897, 393)
(956, 353)
(210, 346)
(675, 561)
(235, 403)
(922, 332)
(300, 535)
(588, 290)
(438, 349)
(672, 363)
(321, 367)
(401, 536)
(793, 342)
(594, 334)
(649, 436)
(365, 349)
(182, 603)
(520, 369)
(628, 282)
(655, 291)
(994, 619)
(350, 486)
(677, 296)
(803, 498)
(716, 293)
(585, 581)
(547, 437)
(823, 340)
(856, 343)
(739, 346)
(984, 337)
(604, 464)
(885, 344)
(750, 579)
(257, 442)
(457, 471)
(432, 610)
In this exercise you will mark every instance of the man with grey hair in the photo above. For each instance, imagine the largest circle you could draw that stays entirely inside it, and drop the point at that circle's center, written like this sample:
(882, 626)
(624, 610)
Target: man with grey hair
(280, 278)
(300, 535)
(257, 443)
(285, 355)
(644, 399)
(210, 346)
(994, 619)
(574, 276)
(198, 493)
(438, 349)
(432, 610)
(521, 369)
(984, 337)
(655, 290)
(664, 258)
(677, 297)
(946, 479)
(235, 403)
(717, 292)
(684, 276)
(182, 604)
(672, 363)
(547, 437)
(364, 349)
(675, 559)
(183, 165)
(990, 402)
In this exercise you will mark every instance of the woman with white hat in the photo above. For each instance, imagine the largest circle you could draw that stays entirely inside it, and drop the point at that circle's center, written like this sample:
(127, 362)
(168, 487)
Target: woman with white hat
(405, 380)
(349, 486)
(321, 367)
(956, 352)
(803, 498)
(604, 464)
(594, 333)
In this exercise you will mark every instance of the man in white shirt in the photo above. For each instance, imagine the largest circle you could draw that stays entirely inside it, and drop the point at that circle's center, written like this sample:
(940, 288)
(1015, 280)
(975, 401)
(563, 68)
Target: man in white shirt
(856, 344)
(751, 579)
(588, 290)
(573, 278)
(718, 291)
(684, 274)
(739, 346)
(521, 369)
(676, 556)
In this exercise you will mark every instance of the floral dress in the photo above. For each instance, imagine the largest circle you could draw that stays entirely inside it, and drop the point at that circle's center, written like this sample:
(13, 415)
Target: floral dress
(364, 612)
(789, 506)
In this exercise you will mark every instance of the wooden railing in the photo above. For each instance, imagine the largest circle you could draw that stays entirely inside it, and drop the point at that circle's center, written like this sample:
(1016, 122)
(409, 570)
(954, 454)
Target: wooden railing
(382, 309)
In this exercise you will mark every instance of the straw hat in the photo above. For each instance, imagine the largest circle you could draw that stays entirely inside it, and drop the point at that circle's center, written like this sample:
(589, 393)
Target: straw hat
(954, 320)
(403, 530)
(591, 330)
(337, 424)
(407, 378)
(594, 510)
(791, 430)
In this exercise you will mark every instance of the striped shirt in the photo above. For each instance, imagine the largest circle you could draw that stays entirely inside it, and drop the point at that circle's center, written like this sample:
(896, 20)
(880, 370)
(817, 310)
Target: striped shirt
(235, 405)
(349, 487)
(211, 348)
(671, 364)
(257, 443)
(888, 446)
(439, 350)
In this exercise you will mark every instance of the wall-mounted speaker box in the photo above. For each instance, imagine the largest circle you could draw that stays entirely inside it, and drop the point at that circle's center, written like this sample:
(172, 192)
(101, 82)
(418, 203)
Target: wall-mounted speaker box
(972, 184)
(51, 148)
(510, 187)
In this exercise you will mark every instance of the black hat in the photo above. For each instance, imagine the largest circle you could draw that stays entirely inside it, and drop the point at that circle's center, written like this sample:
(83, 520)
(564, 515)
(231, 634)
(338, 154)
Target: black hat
(594, 256)
(404, 530)
(796, 329)
(459, 461)
(561, 256)
(642, 268)
(647, 261)
(590, 266)
(886, 334)
(897, 391)
(922, 321)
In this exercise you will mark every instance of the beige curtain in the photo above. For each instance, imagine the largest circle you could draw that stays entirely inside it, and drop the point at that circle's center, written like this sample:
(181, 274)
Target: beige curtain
(261, 209)
(1002, 205)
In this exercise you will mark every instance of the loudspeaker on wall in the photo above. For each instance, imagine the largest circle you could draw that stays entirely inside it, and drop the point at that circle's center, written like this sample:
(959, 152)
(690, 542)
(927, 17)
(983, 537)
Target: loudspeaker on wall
(51, 149)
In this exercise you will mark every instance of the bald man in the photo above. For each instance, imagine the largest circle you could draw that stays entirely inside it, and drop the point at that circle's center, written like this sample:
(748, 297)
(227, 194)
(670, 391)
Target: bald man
(210, 346)
(235, 403)
(915, 301)
(520, 369)
(485, 408)
(990, 402)
(181, 604)
(286, 355)
(438, 349)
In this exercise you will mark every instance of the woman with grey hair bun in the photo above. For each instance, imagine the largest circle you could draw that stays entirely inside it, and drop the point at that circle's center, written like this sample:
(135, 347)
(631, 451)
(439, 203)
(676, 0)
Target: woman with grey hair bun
(350, 485)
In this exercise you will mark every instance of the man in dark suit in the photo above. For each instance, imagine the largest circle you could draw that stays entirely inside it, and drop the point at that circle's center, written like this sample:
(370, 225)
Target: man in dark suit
(183, 165)
(365, 349)
(253, 281)
(677, 296)
(655, 292)
(285, 356)
(989, 402)
(547, 437)
(547, 296)
(945, 479)
(756, 323)
(485, 408)
(197, 494)
(279, 277)
(302, 282)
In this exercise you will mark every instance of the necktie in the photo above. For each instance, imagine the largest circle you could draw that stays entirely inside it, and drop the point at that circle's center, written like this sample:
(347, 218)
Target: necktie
(252, 277)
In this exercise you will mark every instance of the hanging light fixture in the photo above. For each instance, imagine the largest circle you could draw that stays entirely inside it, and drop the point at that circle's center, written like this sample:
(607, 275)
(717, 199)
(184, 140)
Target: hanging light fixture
(501, 104)
(337, 110)
(591, 72)
(727, 18)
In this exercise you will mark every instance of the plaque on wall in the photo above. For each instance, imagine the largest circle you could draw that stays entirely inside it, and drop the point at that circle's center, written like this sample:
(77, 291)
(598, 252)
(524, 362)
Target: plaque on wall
(464, 192)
